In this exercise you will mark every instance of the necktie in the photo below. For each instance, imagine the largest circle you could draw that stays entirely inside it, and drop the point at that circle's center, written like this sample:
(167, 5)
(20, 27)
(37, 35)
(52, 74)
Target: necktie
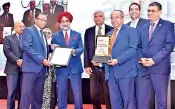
(20, 41)
(67, 38)
(6, 18)
(98, 34)
(42, 39)
(99, 31)
(151, 30)
(112, 40)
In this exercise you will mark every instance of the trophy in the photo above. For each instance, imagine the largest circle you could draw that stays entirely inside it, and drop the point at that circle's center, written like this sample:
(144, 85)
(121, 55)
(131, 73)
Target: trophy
(102, 51)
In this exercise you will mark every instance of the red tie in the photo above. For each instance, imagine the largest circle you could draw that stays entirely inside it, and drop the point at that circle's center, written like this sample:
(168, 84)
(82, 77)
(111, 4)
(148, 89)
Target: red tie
(151, 30)
(67, 38)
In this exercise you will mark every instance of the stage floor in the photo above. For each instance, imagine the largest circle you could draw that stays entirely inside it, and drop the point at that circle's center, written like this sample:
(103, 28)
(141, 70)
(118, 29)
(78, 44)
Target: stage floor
(70, 106)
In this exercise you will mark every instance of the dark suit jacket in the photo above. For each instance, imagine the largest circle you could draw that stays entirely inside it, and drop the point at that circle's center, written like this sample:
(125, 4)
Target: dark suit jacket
(25, 20)
(58, 10)
(10, 22)
(140, 23)
(124, 50)
(52, 18)
(13, 52)
(89, 42)
(159, 47)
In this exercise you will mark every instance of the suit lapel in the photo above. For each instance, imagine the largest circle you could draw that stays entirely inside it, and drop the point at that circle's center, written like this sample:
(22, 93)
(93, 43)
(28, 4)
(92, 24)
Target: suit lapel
(139, 23)
(62, 39)
(71, 38)
(158, 27)
(120, 32)
(146, 33)
(38, 35)
(16, 39)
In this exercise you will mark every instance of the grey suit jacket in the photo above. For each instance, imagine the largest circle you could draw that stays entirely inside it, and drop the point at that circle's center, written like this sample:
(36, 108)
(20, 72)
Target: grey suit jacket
(13, 52)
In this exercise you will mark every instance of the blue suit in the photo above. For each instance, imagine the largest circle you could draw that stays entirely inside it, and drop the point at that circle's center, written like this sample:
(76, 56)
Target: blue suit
(73, 70)
(121, 76)
(159, 48)
(140, 23)
(35, 51)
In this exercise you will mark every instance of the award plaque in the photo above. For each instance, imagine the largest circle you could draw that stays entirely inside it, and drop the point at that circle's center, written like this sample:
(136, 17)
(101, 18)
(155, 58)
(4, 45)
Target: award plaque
(102, 53)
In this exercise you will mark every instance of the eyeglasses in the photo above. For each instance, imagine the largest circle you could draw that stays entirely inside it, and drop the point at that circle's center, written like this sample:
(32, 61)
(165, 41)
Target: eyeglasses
(42, 20)
(153, 11)
(47, 32)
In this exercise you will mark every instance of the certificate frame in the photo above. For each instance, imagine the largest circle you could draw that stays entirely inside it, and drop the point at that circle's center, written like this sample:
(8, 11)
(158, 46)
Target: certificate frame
(61, 56)
(102, 53)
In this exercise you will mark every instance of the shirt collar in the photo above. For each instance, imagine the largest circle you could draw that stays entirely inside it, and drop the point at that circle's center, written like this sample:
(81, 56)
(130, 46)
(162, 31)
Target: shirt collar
(135, 21)
(102, 26)
(68, 32)
(37, 28)
(156, 22)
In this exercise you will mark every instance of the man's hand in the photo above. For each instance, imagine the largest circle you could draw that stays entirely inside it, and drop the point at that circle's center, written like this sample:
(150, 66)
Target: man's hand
(88, 70)
(113, 62)
(19, 62)
(46, 63)
(95, 63)
(53, 46)
(73, 52)
(148, 62)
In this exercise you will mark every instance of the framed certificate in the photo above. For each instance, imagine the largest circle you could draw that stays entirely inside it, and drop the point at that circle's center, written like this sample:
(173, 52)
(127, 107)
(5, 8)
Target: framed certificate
(7, 31)
(61, 56)
(102, 53)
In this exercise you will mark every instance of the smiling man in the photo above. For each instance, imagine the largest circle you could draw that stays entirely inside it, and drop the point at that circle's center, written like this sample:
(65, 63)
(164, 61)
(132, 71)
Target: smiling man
(69, 38)
(155, 46)
(135, 12)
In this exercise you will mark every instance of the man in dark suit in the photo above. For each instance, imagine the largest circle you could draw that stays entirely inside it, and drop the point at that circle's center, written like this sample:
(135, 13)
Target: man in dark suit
(29, 15)
(69, 38)
(135, 12)
(155, 46)
(55, 10)
(121, 69)
(35, 53)
(6, 19)
(13, 52)
(97, 75)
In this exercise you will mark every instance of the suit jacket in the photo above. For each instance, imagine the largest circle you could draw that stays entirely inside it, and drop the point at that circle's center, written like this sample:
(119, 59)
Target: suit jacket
(52, 18)
(75, 42)
(34, 51)
(159, 47)
(13, 52)
(10, 22)
(140, 23)
(89, 42)
(58, 10)
(124, 50)
(25, 20)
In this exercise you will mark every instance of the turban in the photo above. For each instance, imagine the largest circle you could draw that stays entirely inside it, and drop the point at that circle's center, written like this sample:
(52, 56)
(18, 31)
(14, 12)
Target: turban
(6, 4)
(65, 14)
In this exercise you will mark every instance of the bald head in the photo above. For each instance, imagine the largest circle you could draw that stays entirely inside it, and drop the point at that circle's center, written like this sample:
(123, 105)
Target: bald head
(19, 27)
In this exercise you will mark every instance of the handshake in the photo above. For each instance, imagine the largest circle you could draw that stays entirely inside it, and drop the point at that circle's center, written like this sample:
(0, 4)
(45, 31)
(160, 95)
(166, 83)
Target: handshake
(147, 62)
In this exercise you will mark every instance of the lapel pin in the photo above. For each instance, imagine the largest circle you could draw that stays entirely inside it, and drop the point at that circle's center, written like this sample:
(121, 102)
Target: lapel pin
(160, 24)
